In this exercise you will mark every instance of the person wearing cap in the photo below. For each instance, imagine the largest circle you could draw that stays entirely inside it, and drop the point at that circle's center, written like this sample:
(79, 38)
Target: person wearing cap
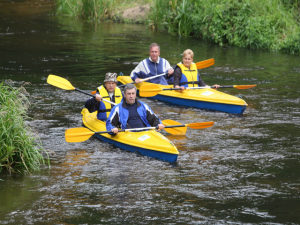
(154, 65)
(131, 113)
(109, 91)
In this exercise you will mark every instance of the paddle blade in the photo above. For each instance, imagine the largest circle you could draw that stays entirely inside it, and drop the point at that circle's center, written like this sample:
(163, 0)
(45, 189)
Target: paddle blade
(174, 130)
(59, 82)
(201, 125)
(122, 79)
(149, 90)
(78, 134)
(244, 86)
(205, 63)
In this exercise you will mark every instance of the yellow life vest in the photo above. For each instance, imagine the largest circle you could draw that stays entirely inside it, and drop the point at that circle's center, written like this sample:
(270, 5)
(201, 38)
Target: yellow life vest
(189, 75)
(106, 107)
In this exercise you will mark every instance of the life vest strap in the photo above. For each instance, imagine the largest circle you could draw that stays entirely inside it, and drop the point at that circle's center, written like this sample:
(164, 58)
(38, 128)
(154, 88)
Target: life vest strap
(104, 110)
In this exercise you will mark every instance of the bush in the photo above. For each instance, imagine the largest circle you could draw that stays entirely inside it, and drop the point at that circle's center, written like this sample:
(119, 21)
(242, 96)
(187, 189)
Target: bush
(87, 9)
(255, 24)
(19, 149)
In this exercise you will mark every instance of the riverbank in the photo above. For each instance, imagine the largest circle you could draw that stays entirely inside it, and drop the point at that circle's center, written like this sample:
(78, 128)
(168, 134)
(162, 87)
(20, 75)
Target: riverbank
(269, 25)
(20, 149)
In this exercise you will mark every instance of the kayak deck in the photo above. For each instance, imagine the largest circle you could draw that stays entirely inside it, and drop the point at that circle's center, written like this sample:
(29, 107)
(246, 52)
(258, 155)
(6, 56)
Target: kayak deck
(148, 143)
(206, 98)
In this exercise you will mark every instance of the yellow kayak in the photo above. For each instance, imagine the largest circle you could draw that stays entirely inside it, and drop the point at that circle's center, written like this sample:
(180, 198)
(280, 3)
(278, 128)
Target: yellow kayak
(148, 143)
(206, 98)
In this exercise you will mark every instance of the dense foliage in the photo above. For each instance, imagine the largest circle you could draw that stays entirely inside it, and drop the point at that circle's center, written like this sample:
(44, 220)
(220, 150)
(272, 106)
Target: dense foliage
(87, 9)
(19, 149)
(254, 24)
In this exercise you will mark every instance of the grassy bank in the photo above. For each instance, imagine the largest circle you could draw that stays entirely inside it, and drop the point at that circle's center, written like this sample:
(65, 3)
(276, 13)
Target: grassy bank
(255, 24)
(20, 150)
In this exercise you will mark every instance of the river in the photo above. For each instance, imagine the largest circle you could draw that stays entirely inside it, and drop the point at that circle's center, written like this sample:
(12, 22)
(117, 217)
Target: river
(243, 170)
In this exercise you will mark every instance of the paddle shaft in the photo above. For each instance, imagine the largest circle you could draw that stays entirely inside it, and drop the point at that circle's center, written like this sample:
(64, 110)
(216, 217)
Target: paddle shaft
(152, 128)
(200, 65)
(170, 89)
(76, 89)
(142, 128)
(82, 134)
(149, 78)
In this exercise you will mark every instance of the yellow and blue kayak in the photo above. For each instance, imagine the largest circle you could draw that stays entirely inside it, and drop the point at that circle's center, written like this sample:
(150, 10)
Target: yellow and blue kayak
(148, 143)
(206, 98)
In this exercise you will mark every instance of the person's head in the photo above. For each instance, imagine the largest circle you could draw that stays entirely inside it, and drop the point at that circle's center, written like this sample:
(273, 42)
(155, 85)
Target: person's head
(187, 58)
(154, 52)
(130, 93)
(110, 81)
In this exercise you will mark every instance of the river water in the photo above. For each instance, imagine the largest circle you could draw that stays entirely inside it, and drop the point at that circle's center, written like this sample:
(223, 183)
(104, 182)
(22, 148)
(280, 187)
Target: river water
(243, 170)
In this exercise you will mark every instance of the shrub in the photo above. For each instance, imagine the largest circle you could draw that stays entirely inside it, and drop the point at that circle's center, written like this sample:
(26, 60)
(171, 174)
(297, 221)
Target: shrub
(20, 150)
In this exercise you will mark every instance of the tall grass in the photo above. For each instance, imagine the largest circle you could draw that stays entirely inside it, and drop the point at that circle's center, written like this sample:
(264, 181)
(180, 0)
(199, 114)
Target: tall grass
(174, 16)
(254, 24)
(20, 150)
(87, 9)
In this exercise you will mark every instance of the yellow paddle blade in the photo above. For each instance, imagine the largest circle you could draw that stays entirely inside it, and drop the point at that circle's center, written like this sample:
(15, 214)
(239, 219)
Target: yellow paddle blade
(78, 134)
(201, 125)
(174, 130)
(149, 90)
(121, 79)
(59, 82)
(205, 63)
(244, 86)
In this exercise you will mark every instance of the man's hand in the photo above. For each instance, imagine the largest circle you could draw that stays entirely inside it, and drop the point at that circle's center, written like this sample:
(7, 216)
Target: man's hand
(170, 71)
(138, 80)
(115, 130)
(98, 97)
(160, 126)
(216, 86)
(182, 88)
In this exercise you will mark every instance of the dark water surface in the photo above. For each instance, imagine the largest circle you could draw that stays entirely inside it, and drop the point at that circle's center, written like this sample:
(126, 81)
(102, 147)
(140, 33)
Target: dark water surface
(243, 170)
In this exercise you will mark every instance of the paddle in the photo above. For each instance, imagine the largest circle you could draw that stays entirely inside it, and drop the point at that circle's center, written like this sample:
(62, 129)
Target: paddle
(149, 78)
(150, 90)
(175, 130)
(80, 134)
(200, 65)
(205, 63)
(65, 84)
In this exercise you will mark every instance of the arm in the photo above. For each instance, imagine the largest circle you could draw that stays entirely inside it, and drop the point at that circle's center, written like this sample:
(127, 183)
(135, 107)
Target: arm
(92, 104)
(138, 72)
(201, 82)
(112, 123)
(177, 76)
(152, 117)
(170, 70)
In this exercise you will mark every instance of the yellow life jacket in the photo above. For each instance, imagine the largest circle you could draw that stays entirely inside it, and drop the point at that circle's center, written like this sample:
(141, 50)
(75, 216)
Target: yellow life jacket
(105, 107)
(189, 75)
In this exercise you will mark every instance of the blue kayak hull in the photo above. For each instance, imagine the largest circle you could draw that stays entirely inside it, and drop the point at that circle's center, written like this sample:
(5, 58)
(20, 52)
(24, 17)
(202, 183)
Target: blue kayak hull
(146, 152)
(237, 109)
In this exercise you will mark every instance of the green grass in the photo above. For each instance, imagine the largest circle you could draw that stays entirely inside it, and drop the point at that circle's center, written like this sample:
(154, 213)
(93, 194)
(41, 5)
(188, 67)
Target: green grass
(255, 24)
(95, 10)
(20, 149)
(87, 9)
